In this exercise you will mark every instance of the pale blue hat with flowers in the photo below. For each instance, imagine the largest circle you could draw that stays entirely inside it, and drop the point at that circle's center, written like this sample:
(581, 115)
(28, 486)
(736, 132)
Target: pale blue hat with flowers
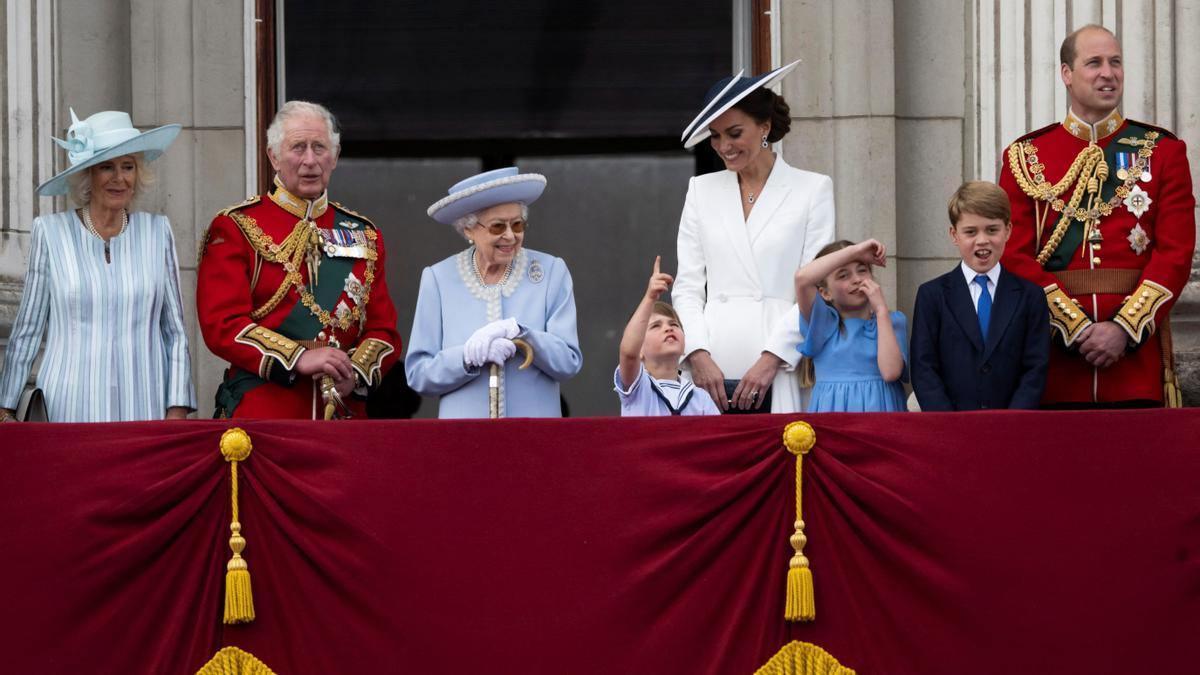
(485, 190)
(104, 136)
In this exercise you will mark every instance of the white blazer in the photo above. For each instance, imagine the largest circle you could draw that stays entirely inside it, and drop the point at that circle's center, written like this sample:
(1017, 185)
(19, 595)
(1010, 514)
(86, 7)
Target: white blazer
(734, 290)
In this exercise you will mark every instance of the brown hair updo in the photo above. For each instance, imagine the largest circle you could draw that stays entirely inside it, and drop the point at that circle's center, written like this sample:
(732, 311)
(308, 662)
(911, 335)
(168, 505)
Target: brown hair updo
(764, 105)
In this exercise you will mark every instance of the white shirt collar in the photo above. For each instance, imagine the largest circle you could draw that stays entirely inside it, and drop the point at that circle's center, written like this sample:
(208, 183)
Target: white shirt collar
(993, 274)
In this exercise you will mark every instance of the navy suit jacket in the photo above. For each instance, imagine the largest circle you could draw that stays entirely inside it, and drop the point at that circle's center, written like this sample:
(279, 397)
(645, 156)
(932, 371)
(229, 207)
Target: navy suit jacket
(955, 368)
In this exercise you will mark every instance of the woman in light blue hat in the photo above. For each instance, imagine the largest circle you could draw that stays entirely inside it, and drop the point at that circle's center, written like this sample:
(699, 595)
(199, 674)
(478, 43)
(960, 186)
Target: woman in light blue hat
(102, 286)
(474, 304)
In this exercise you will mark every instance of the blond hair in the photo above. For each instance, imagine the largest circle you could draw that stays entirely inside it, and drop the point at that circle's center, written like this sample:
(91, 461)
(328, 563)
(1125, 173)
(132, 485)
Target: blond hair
(80, 184)
(981, 198)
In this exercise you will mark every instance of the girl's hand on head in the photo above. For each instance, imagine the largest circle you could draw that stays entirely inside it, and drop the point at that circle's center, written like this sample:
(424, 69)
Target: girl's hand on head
(872, 252)
(660, 282)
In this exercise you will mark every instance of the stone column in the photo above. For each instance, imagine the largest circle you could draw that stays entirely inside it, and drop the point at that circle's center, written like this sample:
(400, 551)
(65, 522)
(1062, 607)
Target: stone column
(930, 121)
(188, 67)
(843, 111)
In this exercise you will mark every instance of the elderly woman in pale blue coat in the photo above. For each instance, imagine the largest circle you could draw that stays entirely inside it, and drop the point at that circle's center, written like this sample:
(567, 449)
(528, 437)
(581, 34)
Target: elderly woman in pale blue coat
(103, 288)
(474, 304)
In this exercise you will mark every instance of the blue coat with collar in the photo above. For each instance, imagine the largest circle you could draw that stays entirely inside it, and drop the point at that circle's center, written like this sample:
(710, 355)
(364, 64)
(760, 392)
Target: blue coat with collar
(955, 368)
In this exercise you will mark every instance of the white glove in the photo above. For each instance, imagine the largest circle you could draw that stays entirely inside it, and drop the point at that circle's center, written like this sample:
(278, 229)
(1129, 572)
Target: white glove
(502, 349)
(476, 350)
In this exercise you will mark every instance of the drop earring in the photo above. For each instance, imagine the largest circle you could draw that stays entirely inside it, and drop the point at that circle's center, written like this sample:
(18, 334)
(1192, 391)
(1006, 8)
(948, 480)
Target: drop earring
(765, 143)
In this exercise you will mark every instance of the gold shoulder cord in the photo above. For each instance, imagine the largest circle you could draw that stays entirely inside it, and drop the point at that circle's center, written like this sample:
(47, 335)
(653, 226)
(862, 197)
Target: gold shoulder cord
(1088, 173)
(290, 253)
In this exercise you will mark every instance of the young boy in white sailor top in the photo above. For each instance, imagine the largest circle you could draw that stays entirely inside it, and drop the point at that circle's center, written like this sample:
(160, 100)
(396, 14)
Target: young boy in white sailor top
(647, 378)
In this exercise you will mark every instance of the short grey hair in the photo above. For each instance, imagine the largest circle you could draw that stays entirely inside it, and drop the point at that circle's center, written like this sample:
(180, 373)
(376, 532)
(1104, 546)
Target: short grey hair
(472, 219)
(80, 184)
(301, 109)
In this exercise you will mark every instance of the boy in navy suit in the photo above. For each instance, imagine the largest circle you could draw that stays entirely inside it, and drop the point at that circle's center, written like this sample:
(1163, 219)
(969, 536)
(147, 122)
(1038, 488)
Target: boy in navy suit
(981, 335)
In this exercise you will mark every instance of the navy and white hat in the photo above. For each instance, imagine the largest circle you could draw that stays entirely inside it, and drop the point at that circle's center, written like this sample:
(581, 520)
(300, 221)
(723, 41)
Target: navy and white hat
(104, 136)
(724, 95)
(485, 190)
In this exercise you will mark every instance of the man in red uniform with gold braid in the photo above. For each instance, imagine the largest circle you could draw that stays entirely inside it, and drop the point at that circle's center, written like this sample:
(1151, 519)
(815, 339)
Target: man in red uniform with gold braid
(1103, 219)
(291, 288)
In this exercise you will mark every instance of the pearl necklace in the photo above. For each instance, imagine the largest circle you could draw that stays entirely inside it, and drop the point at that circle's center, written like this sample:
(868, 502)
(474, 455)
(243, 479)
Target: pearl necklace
(87, 221)
(479, 277)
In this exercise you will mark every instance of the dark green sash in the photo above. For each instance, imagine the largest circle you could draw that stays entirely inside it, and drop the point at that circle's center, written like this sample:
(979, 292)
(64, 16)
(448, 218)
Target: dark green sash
(1073, 238)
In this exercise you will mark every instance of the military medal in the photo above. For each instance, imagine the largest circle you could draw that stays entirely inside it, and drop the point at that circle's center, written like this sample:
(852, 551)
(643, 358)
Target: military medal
(1124, 162)
(1145, 177)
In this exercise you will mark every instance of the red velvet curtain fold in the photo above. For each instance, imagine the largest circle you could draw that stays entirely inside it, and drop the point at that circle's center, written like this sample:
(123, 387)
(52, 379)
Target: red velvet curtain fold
(980, 543)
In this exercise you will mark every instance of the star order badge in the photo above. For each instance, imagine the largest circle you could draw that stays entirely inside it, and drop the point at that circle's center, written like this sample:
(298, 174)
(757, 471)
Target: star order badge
(1137, 201)
(1138, 239)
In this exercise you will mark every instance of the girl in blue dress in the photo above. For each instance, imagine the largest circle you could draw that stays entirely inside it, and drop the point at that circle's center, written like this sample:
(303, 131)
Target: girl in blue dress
(860, 361)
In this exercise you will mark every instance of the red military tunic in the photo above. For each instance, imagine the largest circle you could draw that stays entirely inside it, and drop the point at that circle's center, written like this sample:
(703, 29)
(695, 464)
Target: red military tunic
(1122, 253)
(259, 306)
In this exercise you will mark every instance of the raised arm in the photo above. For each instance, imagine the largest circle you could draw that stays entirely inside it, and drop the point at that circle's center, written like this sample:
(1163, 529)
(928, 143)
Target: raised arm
(635, 331)
(870, 252)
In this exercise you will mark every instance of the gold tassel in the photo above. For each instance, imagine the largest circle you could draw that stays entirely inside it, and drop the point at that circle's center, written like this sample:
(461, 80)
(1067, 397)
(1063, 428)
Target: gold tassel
(801, 658)
(1172, 395)
(239, 602)
(231, 661)
(799, 438)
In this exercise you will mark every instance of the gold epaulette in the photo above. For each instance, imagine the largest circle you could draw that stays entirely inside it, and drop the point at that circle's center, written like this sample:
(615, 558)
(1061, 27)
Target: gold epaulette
(1136, 315)
(227, 211)
(275, 348)
(367, 358)
(250, 201)
(339, 207)
(1065, 314)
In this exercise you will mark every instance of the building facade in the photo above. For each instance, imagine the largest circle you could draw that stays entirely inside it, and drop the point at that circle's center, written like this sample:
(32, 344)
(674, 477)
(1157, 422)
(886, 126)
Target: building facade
(898, 101)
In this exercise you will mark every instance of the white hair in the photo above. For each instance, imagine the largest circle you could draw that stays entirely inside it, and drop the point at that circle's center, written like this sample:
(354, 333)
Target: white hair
(79, 184)
(472, 219)
(301, 109)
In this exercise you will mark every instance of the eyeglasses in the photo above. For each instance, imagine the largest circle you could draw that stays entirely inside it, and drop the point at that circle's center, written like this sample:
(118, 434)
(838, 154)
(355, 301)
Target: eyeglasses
(498, 228)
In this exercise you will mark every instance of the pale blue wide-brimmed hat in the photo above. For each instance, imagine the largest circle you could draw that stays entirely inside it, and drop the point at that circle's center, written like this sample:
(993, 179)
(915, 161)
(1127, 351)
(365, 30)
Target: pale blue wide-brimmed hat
(104, 136)
(723, 95)
(485, 190)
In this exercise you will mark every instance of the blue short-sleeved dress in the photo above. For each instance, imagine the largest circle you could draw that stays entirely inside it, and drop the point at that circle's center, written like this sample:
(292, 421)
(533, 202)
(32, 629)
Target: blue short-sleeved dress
(848, 378)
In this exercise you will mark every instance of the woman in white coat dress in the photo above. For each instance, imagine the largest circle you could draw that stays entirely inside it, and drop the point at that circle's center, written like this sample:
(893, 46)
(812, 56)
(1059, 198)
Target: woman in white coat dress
(743, 233)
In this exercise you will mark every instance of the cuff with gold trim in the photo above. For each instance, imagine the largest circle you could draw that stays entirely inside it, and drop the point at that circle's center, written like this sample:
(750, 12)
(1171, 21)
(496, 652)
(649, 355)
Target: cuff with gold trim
(1136, 315)
(367, 358)
(279, 353)
(1066, 316)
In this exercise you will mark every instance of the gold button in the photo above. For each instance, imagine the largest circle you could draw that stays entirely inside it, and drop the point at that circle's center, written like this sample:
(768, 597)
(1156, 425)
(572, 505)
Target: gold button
(1074, 315)
(1137, 305)
(1095, 247)
(1131, 311)
(1145, 294)
(1096, 260)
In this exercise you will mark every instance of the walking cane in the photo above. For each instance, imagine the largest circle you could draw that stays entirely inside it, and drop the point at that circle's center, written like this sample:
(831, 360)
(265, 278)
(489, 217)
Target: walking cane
(494, 379)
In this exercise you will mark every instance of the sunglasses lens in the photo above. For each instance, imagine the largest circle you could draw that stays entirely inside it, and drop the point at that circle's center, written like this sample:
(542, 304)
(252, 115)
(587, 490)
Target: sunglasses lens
(498, 228)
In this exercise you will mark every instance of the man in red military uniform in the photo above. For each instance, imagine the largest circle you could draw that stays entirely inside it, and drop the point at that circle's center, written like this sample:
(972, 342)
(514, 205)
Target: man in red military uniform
(291, 287)
(1103, 219)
